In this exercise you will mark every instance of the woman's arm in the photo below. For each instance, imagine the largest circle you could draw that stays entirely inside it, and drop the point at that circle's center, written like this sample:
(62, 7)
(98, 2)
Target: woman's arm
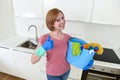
(41, 50)
(34, 57)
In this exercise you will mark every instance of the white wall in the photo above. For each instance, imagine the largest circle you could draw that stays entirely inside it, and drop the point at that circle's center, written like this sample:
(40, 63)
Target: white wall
(106, 35)
(7, 27)
(22, 24)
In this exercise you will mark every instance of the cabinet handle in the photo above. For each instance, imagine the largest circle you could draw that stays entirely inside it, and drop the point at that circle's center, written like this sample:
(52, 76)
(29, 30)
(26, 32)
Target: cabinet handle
(22, 51)
(4, 47)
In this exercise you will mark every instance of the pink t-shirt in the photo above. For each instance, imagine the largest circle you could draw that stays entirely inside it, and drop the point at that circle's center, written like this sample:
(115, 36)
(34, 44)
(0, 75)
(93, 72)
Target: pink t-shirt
(56, 58)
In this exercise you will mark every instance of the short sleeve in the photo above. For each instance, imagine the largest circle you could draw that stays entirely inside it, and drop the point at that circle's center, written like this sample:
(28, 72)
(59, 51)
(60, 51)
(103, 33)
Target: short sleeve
(68, 36)
(42, 39)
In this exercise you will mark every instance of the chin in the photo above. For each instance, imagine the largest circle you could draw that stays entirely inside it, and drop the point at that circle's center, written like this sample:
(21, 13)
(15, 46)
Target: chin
(63, 27)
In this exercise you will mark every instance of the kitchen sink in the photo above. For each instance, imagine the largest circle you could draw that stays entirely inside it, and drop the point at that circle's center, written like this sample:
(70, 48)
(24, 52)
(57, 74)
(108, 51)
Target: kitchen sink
(28, 44)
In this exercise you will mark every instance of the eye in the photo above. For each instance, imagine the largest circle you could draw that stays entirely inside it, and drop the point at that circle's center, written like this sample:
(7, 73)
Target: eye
(62, 17)
(57, 20)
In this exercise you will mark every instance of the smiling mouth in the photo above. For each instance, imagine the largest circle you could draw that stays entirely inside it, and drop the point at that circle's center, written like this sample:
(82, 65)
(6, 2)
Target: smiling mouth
(62, 26)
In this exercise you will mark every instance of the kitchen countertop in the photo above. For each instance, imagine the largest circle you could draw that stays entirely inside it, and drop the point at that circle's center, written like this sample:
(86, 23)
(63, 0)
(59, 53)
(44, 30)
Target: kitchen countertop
(13, 42)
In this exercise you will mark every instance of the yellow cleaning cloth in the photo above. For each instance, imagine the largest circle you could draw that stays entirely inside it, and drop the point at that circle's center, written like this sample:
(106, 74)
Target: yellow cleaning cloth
(76, 48)
(100, 48)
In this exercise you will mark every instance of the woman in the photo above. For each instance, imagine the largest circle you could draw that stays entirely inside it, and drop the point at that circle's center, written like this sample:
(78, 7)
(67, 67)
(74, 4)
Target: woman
(54, 44)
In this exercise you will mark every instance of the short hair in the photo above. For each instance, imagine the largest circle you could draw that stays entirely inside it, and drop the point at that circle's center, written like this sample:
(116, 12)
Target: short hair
(51, 18)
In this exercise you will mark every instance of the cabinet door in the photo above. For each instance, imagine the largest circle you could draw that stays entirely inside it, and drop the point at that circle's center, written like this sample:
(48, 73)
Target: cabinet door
(28, 8)
(25, 68)
(106, 12)
(43, 64)
(43, 68)
(79, 10)
(75, 73)
(7, 62)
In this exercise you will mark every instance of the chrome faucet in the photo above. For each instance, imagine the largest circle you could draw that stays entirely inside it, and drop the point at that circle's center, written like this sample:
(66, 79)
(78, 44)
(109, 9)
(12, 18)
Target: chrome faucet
(35, 31)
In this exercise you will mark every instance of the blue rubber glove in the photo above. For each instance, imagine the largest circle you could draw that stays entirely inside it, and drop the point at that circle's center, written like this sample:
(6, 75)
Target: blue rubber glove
(48, 45)
(89, 65)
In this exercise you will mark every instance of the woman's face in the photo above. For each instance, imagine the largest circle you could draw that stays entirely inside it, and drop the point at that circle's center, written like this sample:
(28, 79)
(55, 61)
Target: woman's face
(60, 22)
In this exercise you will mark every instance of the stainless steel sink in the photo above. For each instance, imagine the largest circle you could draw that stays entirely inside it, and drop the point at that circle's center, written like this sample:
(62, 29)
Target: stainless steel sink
(28, 44)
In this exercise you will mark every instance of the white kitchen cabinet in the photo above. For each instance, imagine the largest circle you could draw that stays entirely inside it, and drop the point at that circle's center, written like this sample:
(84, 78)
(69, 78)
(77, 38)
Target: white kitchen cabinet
(78, 10)
(28, 8)
(75, 73)
(43, 75)
(43, 64)
(7, 62)
(43, 68)
(25, 68)
(106, 12)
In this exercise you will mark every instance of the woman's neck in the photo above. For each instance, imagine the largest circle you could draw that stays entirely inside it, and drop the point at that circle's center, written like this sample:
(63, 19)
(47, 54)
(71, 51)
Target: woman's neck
(57, 34)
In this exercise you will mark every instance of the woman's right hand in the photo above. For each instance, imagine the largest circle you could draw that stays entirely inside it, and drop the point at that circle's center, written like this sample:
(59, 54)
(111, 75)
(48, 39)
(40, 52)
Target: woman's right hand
(49, 44)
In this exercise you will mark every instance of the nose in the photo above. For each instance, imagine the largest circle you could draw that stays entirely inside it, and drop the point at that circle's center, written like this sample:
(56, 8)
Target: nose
(62, 20)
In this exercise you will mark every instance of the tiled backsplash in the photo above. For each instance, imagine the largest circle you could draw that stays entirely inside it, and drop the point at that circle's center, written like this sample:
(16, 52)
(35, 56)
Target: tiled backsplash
(107, 35)
(22, 25)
